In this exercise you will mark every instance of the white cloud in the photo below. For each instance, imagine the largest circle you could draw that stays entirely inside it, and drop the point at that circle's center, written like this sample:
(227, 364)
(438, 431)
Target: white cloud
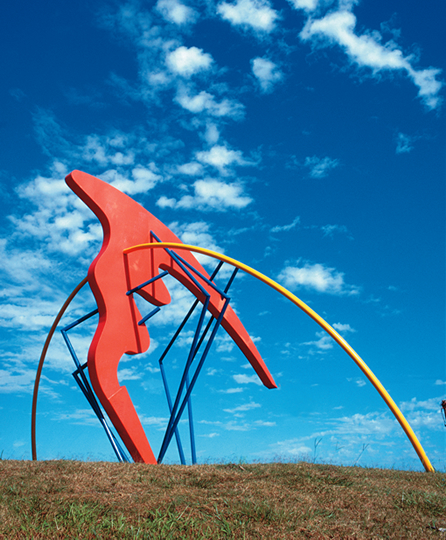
(431, 404)
(329, 230)
(366, 51)
(232, 391)
(60, 221)
(263, 423)
(359, 382)
(221, 157)
(186, 61)
(316, 277)
(98, 149)
(283, 228)
(17, 380)
(306, 5)
(205, 102)
(247, 379)
(424, 413)
(255, 14)
(166, 202)
(191, 169)
(244, 408)
(79, 417)
(143, 180)
(324, 343)
(404, 143)
(212, 134)
(176, 12)
(266, 72)
(21, 314)
(364, 424)
(224, 343)
(196, 234)
(128, 374)
(319, 167)
(343, 328)
(209, 194)
(347, 437)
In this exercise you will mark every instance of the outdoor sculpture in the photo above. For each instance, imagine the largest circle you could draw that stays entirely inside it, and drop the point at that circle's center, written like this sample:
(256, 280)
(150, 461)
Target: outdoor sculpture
(136, 246)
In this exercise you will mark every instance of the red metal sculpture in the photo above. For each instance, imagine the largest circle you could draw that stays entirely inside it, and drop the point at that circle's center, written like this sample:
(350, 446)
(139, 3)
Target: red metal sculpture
(112, 275)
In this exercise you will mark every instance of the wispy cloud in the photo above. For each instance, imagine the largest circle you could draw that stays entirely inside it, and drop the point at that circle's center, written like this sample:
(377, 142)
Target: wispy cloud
(306, 5)
(284, 228)
(404, 143)
(342, 439)
(316, 277)
(204, 102)
(232, 391)
(323, 343)
(221, 157)
(243, 408)
(79, 417)
(330, 230)
(256, 15)
(187, 62)
(209, 195)
(424, 413)
(343, 328)
(367, 51)
(320, 167)
(247, 379)
(176, 12)
(266, 72)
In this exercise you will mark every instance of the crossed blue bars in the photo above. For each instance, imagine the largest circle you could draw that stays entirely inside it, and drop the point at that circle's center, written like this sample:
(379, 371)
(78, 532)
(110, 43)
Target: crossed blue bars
(87, 390)
(176, 407)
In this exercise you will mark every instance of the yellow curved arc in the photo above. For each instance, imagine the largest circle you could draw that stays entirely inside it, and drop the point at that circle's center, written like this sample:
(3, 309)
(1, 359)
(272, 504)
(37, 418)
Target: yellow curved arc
(320, 321)
(42, 360)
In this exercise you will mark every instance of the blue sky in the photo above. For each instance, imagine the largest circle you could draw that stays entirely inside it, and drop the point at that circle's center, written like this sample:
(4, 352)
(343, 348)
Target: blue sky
(305, 138)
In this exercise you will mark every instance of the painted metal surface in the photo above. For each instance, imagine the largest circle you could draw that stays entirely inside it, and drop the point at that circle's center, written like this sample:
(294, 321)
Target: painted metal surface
(137, 246)
(320, 321)
(112, 275)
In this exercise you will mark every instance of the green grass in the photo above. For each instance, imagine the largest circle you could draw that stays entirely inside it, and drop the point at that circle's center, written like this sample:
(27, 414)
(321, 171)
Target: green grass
(69, 499)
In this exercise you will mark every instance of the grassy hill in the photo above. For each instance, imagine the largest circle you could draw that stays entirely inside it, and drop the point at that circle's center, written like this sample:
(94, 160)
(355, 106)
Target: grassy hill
(71, 499)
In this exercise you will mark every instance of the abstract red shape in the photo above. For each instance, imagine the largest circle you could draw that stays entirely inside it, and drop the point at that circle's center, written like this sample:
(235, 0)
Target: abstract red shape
(126, 223)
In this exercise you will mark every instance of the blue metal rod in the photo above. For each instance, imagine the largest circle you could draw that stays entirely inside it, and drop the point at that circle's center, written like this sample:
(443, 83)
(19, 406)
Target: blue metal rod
(79, 321)
(86, 389)
(147, 317)
(64, 332)
(194, 379)
(183, 379)
(101, 419)
(169, 402)
(191, 425)
(181, 265)
(163, 373)
(74, 357)
(186, 370)
(204, 278)
(97, 409)
(204, 334)
(231, 279)
(186, 318)
(159, 276)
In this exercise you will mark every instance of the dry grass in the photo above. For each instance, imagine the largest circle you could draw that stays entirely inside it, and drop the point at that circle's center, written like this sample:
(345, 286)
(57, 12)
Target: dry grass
(69, 499)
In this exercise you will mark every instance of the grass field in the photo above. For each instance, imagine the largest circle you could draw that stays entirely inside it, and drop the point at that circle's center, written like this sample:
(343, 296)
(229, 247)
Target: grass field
(72, 499)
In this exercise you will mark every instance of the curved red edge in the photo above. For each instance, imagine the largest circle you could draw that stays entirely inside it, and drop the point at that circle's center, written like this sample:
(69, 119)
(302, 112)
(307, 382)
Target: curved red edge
(126, 223)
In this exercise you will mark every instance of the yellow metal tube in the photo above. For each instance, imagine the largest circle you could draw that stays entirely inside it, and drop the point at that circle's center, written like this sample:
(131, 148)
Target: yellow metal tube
(320, 321)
